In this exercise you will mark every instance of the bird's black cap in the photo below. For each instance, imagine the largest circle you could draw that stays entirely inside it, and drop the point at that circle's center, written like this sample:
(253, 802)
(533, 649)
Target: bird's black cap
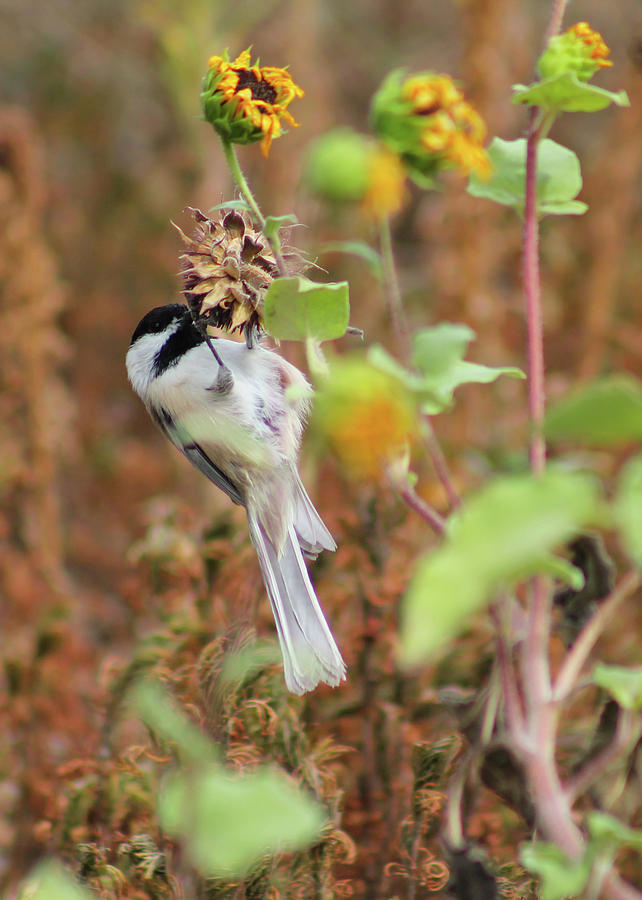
(157, 319)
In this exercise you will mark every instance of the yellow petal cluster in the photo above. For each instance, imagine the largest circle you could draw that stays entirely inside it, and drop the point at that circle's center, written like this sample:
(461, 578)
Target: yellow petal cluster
(453, 128)
(259, 94)
(593, 40)
(386, 186)
(374, 433)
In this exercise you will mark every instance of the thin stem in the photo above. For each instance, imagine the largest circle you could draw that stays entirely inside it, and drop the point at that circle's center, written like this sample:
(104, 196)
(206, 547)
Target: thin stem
(626, 732)
(392, 294)
(439, 464)
(533, 292)
(392, 289)
(454, 828)
(491, 710)
(246, 192)
(419, 505)
(553, 811)
(242, 183)
(535, 662)
(514, 717)
(555, 22)
(579, 653)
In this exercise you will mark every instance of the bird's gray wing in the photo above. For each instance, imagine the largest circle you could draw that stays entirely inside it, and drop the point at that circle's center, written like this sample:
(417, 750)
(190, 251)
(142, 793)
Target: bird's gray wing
(196, 455)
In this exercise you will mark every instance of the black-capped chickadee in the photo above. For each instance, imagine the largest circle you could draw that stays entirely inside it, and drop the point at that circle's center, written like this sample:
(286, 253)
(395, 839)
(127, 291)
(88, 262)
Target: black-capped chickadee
(225, 407)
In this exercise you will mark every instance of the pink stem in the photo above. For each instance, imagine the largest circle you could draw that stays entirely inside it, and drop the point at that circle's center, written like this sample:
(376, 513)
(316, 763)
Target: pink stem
(533, 292)
(419, 505)
(555, 22)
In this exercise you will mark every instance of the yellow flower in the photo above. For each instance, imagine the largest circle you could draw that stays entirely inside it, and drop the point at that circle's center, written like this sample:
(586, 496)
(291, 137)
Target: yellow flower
(386, 185)
(247, 103)
(366, 415)
(579, 50)
(452, 127)
(369, 437)
(425, 119)
(593, 40)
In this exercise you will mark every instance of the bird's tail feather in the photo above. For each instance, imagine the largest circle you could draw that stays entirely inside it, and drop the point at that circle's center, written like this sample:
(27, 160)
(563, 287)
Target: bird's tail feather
(311, 531)
(310, 654)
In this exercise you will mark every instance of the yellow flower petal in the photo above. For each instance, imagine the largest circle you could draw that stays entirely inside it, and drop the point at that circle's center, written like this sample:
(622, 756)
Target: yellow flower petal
(259, 94)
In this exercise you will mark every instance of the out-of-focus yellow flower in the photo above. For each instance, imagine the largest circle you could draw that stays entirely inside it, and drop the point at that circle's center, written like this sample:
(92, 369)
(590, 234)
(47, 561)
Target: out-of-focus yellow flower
(386, 184)
(246, 103)
(344, 166)
(580, 50)
(425, 119)
(366, 416)
(452, 126)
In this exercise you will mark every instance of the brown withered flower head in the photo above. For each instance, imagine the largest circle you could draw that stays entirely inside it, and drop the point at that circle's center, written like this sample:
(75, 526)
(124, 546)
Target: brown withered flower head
(227, 268)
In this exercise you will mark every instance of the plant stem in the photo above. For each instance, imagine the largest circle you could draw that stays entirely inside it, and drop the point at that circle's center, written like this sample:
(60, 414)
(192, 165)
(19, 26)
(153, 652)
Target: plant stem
(439, 463)
(392, 290)
(419, 505)
(577, 656)
(555, 22)
(242, 183)
(513, 715)
(533, 292)
(392, 294)
(535, 663)
(626, 733)
(553, 811)
(246, 192)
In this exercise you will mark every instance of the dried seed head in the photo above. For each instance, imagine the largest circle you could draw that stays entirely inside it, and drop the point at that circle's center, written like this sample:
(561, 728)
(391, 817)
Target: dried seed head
(227, 268)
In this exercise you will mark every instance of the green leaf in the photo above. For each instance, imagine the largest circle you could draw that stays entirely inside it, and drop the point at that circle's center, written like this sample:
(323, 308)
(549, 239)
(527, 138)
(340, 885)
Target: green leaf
(163, 717)
(437, 355)
(560, 876)
(559, 177)
(564, 570)
(273, 225)
(229, 822)
(606, 412)
(357, 248)
(437, 349)
(506, 532)
(50, 881)
(628, 508)
(438, 352)
(607, 830)
(379, 357)
(566, 93)
(296, 309)
(623, 683)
